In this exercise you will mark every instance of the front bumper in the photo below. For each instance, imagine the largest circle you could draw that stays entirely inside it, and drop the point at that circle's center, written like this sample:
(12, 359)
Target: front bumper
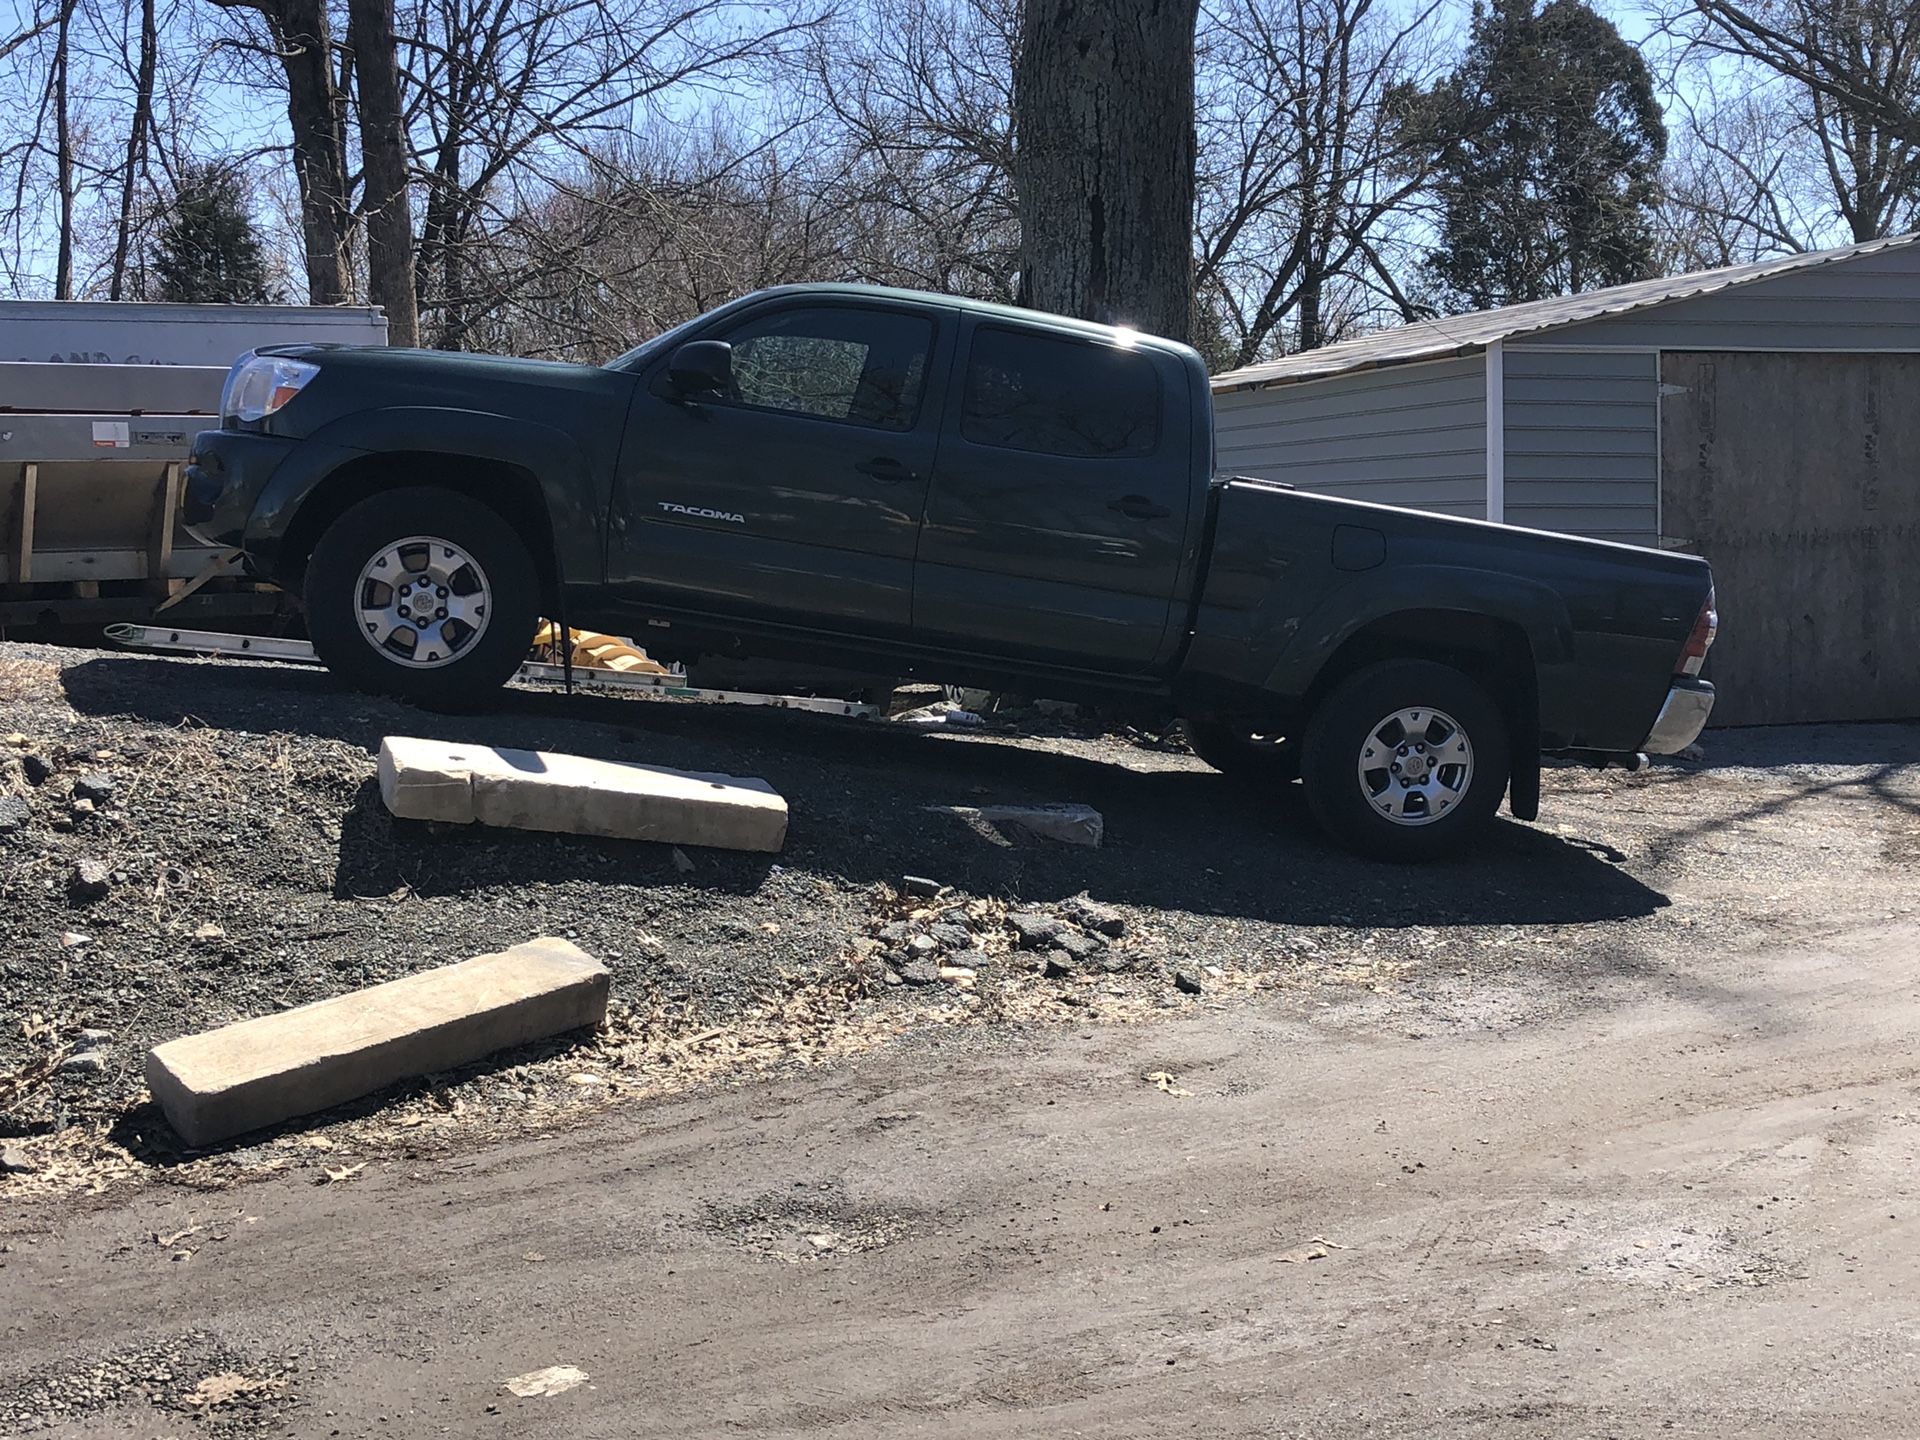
(224, 477)
(1681, 719)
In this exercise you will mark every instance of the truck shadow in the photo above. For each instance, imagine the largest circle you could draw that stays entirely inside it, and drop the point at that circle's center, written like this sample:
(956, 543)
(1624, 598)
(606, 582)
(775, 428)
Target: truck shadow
(1177, 836)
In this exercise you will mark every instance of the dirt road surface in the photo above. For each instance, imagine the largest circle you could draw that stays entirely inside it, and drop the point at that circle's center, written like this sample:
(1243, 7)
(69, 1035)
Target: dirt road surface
(1684, 1205)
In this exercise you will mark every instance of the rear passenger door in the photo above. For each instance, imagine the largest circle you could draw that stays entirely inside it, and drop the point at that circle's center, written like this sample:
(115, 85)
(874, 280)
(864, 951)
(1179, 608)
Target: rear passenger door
(1057, 519)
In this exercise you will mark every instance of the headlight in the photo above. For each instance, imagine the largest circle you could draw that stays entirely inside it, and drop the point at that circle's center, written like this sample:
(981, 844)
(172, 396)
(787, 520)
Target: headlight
(258, 385)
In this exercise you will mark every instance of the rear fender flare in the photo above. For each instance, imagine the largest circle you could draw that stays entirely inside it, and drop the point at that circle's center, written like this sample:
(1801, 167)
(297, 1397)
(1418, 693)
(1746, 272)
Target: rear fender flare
(1534, 608)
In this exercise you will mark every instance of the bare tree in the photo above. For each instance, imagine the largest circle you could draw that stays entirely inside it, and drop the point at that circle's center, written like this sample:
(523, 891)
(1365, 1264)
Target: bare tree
(384, 159)
(921, 98)
(1818, 126)
(63, 150)
(299, 37)
(1103, 99)
(138, 130)
(1305, 181)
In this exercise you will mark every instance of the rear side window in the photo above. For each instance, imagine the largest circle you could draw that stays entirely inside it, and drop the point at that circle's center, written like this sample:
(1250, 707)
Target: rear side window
(865, 367)
(1060, 397)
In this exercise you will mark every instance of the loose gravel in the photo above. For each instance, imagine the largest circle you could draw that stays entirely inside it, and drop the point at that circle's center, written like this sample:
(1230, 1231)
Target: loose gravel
(187, 842)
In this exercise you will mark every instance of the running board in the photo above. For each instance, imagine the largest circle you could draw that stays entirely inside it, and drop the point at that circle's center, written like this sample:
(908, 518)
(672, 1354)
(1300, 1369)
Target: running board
(300, 652)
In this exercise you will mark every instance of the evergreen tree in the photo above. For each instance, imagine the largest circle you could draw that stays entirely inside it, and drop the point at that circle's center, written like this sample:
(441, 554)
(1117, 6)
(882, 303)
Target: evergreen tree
(207, 251)
(1546, 143)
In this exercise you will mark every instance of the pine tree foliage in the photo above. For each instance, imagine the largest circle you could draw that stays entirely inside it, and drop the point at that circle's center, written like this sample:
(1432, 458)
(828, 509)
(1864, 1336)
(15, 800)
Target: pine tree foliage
(207, 252)
(1547, 144)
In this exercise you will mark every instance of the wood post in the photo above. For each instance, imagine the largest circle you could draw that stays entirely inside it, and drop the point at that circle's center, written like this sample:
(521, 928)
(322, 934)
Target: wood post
(22, 539)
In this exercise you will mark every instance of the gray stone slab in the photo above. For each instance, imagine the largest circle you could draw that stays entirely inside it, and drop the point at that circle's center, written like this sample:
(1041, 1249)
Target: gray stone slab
(571, 794)
(221, 1083)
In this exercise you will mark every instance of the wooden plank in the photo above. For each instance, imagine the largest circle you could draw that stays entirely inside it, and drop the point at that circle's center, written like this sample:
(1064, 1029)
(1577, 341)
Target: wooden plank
(160, 528)
(1798, 478)
(22, 556)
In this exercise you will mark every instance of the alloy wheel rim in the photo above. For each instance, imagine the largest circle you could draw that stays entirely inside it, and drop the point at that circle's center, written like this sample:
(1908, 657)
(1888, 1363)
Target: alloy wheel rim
(423, 602)
(1415, 766)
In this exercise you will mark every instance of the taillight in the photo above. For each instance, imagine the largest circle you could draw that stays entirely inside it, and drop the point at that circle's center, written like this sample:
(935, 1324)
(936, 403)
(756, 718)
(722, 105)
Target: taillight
(1701, 640)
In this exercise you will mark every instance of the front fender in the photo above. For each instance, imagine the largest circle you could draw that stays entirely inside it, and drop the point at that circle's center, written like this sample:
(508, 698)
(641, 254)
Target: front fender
(576, 499)
(1536, 609)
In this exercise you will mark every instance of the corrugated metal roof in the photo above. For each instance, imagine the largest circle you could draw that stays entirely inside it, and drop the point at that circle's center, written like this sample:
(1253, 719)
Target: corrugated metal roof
(1465, 334)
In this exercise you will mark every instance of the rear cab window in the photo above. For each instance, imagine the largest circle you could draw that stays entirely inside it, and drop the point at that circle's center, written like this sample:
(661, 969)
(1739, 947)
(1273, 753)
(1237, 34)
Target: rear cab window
(1052, 395)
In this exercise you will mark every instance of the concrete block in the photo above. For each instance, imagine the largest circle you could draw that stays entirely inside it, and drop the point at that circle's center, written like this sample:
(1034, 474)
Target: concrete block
(539, 790)
(428, 779)
(241, 1077)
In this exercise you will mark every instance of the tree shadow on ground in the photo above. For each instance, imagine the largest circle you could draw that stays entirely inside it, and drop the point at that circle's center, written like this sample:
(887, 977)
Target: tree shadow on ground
(861, 795)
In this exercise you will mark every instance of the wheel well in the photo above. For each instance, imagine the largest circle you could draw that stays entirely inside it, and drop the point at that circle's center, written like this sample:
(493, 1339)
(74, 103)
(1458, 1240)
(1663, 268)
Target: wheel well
(1494, 652)
(509, 491)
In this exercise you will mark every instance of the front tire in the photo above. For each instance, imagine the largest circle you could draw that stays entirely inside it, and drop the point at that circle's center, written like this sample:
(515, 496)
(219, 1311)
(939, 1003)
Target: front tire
(1405, 760)
(422, 594)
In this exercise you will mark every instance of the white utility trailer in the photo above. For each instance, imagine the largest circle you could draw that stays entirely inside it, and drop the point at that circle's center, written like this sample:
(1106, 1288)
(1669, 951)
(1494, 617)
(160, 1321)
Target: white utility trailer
(97, 414)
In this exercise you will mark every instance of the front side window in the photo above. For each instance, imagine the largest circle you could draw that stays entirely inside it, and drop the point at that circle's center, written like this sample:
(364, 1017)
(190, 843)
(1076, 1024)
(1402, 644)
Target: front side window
(1060, 397)
(862, 367)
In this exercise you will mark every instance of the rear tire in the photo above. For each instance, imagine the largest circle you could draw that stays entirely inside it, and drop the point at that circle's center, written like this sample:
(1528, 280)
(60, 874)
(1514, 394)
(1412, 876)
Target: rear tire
(1241, 754)
(1405, 760)
(423, 594)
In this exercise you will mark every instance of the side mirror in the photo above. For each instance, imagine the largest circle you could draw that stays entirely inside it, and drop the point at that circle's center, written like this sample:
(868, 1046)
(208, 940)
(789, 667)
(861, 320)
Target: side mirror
(702, 367)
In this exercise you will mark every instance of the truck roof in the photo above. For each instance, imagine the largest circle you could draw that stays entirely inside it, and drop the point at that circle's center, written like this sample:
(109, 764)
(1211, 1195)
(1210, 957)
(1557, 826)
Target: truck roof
(1015, 313)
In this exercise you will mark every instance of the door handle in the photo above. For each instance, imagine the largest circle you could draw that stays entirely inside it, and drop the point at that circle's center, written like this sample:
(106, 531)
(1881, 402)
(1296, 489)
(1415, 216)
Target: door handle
(885, 469)
(1139, 507)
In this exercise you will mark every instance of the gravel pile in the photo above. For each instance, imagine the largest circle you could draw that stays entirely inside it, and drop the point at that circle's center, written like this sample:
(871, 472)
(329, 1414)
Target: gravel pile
(184, 843)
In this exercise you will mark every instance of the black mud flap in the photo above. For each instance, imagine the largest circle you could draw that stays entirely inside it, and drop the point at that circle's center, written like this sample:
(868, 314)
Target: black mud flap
(1523, 784)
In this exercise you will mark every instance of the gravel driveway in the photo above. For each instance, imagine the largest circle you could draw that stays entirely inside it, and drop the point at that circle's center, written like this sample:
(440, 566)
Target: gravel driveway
(228, 855)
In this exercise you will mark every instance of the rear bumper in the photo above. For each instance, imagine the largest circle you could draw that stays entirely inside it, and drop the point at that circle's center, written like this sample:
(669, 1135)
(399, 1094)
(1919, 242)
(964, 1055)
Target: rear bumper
(1681, 719)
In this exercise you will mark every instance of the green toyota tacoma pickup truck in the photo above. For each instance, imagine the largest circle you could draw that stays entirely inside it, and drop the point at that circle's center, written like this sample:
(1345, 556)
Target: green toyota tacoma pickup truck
(908, 484)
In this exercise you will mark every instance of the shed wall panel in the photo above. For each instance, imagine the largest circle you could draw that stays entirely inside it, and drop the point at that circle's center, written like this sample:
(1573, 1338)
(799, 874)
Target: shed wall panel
(1583, 443)
(1414, 435)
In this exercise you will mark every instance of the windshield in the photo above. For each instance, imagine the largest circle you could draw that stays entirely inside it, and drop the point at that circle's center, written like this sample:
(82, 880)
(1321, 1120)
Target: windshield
(667, 339)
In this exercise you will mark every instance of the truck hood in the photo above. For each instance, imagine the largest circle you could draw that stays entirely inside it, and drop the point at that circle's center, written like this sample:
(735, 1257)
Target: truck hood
(356, 379)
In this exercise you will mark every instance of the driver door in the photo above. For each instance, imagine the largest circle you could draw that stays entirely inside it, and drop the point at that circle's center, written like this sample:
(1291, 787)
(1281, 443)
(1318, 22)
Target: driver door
(797, 495)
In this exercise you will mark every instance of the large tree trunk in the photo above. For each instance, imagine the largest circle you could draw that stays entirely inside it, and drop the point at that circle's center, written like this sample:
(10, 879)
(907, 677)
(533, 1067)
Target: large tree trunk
(383, 151)
(316, 117)
(1103, 115)
(136, 146)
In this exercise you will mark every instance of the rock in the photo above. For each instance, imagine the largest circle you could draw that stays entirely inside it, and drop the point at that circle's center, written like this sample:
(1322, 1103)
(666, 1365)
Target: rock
(1036, 932)
(36, 769)
(92, 1039)
(921, 946)
(1080, 947)
(95, 785)
(209, 931)
(920, 972)
(1092, 915)
(74, 940)
(1115, 961)
(951, 937)
(90, 881)
(893, 977)
(957, 915)
(1187, 983)
(81, 808)
(87, 1062)
(14, 1162)
(1059, 965)
(919, 885)
(1068, 824)
(896, 932)
(957, 975)
(14, 814)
